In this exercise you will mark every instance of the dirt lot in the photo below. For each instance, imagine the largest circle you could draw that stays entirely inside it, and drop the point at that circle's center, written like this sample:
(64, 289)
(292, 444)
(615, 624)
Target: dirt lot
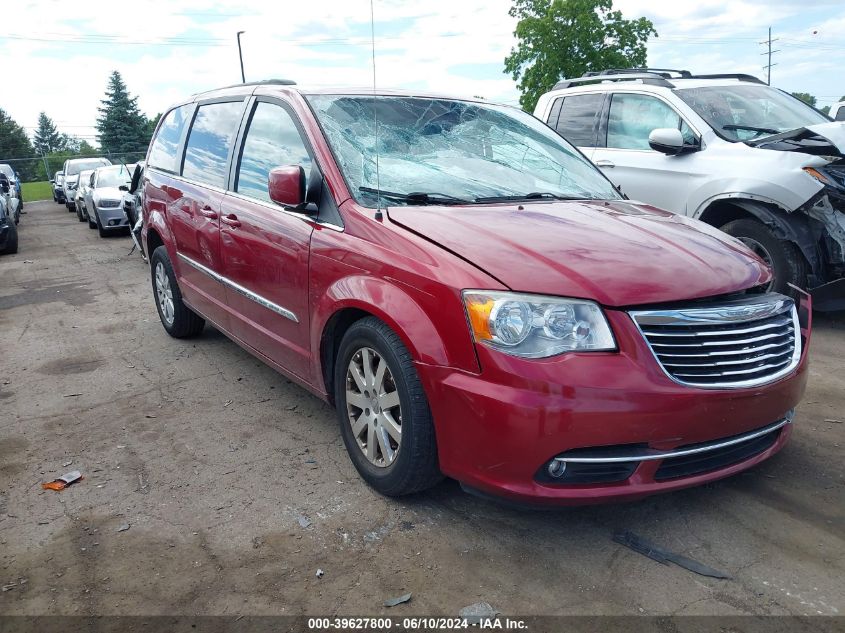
(237, 488)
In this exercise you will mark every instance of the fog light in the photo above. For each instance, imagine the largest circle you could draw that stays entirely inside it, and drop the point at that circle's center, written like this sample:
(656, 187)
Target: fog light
(557, 468)
(112, 222)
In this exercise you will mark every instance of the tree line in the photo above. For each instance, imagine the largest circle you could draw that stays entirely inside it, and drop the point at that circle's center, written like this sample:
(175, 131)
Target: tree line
(123, 132)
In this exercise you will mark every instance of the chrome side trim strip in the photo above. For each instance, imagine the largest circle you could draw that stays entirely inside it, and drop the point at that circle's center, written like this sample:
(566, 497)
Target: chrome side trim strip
(716, 445)
(249, 294)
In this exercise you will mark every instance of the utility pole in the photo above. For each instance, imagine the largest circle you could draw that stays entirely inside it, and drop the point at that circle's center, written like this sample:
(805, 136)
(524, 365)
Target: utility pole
(768, 66)
(241, 55)
(46, 168)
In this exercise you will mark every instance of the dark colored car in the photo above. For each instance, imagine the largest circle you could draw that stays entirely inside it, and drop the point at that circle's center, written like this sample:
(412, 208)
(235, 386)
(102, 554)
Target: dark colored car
(58, 188)
(470, 292)
(8, 230)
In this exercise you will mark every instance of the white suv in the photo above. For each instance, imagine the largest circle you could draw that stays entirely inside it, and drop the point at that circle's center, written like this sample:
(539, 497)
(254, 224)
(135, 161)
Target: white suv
(725, 149)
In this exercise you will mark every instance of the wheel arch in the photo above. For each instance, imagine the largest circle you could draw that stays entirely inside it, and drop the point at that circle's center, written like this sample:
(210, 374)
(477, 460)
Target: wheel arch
(353, 298)
(788, 226)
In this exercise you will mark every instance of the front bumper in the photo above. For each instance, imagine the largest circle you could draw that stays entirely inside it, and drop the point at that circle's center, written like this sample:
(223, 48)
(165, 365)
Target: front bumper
(498, 431)
(112, 218)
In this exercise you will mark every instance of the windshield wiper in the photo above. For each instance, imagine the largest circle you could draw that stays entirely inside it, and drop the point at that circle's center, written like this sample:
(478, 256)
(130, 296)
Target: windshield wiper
(416, 197)
(534, 195)
(751, 128)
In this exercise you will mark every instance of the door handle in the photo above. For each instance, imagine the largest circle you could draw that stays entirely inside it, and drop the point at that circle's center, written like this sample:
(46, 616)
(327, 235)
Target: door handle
(605, 163)
(208, 212)
(231, 220)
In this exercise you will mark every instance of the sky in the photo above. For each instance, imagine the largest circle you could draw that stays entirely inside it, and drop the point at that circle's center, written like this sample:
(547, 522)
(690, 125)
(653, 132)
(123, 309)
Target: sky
(57, 55)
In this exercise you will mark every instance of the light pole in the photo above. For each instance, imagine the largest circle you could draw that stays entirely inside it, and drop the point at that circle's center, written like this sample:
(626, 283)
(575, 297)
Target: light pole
(241, 56)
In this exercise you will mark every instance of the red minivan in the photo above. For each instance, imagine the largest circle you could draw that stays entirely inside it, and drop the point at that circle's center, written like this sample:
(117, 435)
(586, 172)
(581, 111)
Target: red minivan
(470, 292)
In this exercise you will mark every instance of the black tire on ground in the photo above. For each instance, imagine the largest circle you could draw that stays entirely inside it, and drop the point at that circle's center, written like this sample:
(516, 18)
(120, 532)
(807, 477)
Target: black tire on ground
(100, 229)
(79, 214)
(788, 264)
(12, 242)
(91, 223)
(186, 322)
(71, 207)
(415, 466)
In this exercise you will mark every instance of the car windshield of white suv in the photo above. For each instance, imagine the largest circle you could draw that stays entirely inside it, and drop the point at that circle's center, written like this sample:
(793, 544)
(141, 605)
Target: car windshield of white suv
(440, 151)
(743, 112)
(90, 165)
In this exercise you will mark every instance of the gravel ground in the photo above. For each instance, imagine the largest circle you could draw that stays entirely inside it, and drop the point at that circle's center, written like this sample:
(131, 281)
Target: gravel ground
(236, 486)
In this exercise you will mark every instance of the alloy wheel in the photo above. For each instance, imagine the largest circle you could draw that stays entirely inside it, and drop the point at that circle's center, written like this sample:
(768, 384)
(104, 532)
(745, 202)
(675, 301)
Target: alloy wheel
(373, 407)
(164, 293)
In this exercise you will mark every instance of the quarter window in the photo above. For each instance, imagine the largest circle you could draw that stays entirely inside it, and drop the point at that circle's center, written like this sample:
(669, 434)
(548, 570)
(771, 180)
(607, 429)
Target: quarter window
(576, 122)
(633, 117)
(840, 114)
(272, 140)
(166, 143)
(209, 141)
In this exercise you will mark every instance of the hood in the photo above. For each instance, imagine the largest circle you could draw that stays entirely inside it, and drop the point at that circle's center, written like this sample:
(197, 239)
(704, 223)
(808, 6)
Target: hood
(616, 253)
(824, 139)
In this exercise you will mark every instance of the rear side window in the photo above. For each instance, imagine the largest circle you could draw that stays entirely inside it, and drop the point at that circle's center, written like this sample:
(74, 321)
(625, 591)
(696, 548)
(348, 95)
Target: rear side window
(166, 143)
(210, 140)
(840, 115)
(272, 140)
(577, 119)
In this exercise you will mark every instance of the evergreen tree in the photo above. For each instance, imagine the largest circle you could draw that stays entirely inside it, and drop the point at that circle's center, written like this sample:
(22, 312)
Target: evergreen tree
(47, 138)
(14, 145)
(121, 126)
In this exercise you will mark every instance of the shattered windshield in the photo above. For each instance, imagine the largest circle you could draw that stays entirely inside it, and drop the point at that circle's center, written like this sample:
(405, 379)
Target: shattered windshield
(441, 150)
(743, 112)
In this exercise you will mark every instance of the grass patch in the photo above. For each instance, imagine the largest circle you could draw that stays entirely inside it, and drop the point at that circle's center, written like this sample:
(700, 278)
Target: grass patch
(32, 191)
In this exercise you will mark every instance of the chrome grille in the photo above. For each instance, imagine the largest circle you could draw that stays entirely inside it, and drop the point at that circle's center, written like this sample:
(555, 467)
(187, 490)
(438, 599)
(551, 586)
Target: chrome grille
(738, 343)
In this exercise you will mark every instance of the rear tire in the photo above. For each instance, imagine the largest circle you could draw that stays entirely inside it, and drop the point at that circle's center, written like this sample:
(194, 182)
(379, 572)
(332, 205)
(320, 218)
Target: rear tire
(787, 262)
(414, 464)
(178, 319)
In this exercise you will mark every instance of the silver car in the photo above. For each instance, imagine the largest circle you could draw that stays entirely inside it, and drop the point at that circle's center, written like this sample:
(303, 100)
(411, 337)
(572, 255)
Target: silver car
(83, 182)
(103, 198)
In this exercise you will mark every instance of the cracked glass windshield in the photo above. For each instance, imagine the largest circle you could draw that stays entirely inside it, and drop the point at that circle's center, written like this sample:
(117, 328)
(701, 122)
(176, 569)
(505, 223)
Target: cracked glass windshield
(441, 151)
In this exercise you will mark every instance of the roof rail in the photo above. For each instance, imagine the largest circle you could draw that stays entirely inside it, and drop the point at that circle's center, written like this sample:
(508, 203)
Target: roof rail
(646, 78)
(663, 72)
(262, 82)
(739, 76)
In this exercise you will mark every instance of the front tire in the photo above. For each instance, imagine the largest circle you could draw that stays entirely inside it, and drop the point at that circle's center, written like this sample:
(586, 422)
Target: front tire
(99, 224)
(79, 214)
(178, 319)
(787, 262)
(383, 412)
(12, 242)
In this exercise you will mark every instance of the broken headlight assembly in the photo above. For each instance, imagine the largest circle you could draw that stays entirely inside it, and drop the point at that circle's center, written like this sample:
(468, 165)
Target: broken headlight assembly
(536, 326)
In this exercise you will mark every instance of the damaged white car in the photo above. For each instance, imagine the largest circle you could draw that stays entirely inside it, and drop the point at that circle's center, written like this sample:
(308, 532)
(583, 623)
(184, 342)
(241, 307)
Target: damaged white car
(726, 149)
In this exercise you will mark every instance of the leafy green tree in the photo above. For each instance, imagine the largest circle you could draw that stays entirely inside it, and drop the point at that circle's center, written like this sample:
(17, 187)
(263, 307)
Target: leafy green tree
(566, 38)
(806, 97)
(47, 138)
(121, 126)
(15, 145)
(826, 110)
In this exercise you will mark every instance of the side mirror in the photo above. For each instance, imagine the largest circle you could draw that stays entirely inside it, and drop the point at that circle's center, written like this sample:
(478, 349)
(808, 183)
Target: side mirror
(124, 187)
(287, 185)
(666, 140)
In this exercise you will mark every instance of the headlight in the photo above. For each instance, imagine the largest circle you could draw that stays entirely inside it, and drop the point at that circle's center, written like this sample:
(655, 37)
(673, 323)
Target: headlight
(815, 173)
(536, 326)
